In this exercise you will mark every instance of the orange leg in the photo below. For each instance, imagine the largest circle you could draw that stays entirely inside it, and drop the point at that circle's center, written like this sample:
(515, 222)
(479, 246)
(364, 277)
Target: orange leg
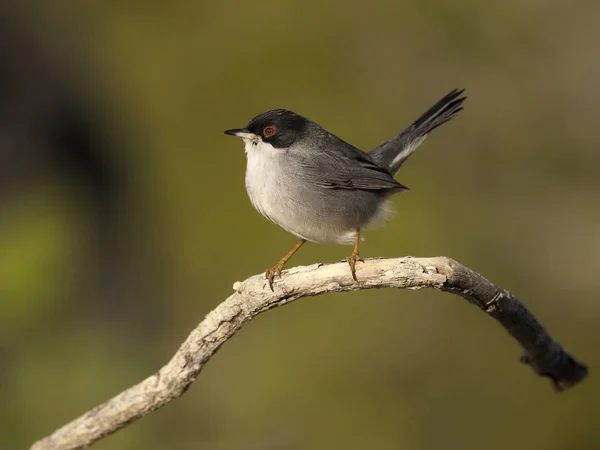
(354, 256)
(270, 274)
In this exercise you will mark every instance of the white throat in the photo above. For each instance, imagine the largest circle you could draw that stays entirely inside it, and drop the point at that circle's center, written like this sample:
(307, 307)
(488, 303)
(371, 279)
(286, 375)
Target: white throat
(256, 147)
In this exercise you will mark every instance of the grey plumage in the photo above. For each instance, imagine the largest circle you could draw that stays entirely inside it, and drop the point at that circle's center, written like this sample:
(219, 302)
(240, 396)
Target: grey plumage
(347, 167)
(318, 187)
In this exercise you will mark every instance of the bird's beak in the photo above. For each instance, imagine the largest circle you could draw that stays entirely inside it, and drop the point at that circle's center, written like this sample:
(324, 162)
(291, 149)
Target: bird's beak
(240, 132)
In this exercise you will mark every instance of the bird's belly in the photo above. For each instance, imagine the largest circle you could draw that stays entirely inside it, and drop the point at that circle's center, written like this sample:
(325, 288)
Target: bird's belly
(326, 216)
(293, 215)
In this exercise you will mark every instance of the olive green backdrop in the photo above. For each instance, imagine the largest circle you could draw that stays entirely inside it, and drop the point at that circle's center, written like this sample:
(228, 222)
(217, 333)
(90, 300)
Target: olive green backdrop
(94, 299)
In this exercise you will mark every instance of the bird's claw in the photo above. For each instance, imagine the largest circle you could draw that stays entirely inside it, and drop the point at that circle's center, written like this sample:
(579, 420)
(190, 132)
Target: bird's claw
(270, 274)
(352, 259)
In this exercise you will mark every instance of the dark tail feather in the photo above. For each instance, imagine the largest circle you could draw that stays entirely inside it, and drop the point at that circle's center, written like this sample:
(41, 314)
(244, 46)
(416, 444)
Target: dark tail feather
(393, 153)
(440, 113)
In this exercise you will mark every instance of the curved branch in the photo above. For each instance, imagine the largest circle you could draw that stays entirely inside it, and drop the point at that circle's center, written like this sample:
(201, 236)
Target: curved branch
(252, 297)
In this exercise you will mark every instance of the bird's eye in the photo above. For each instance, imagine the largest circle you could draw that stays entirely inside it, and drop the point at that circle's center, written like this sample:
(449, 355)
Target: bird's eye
(269, 131)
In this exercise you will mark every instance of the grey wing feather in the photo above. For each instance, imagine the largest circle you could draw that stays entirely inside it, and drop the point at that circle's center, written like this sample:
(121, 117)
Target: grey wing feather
(342, 166)
(393, 153)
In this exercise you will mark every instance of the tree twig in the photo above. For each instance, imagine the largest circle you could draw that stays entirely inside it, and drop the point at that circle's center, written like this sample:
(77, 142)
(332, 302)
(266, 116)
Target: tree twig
(253, 296)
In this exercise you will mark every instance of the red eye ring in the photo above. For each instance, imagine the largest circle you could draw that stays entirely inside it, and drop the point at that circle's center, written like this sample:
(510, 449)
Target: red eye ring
(269, 131)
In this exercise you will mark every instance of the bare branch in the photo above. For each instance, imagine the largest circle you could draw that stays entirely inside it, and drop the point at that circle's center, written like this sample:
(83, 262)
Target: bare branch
(252, 296)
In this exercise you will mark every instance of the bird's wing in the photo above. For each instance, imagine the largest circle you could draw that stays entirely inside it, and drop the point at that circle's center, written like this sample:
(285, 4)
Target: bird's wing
(342, 166)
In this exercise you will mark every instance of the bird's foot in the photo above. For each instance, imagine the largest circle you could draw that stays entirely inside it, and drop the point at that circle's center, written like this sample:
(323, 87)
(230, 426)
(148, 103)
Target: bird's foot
(270, 273)
(352, 259)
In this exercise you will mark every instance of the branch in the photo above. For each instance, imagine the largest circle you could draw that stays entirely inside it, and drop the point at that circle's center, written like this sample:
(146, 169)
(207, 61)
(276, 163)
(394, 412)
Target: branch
(252, 297)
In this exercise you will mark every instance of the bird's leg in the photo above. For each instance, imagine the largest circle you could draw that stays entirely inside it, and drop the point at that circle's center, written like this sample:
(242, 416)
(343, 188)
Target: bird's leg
(354, 256)
(270, 274)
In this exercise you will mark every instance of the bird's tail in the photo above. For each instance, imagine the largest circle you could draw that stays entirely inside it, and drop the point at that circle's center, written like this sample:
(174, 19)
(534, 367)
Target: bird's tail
(392, 154)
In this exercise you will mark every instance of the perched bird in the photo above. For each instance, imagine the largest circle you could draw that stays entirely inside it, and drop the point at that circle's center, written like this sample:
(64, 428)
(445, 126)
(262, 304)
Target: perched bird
(320, 188)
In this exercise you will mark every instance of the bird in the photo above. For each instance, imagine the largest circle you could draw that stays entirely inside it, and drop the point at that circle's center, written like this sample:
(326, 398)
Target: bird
(320, 188)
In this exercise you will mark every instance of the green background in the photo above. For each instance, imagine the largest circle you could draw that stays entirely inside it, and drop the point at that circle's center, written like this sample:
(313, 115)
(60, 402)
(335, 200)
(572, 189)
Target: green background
(509, 188)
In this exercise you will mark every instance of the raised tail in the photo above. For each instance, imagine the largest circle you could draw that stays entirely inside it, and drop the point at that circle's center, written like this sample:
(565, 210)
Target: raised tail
(392, 154)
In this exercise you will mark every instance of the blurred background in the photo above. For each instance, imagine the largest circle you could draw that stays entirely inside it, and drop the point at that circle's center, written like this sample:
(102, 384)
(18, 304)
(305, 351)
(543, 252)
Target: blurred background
(124, 218)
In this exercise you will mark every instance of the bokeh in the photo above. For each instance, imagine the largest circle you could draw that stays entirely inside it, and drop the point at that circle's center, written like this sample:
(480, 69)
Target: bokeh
(124, 218)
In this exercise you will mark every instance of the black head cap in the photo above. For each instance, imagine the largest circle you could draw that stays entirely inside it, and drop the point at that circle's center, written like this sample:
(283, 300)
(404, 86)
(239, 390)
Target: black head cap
(279, 127)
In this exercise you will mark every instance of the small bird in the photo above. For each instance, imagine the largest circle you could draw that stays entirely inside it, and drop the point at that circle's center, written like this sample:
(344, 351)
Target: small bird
(320, 188)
